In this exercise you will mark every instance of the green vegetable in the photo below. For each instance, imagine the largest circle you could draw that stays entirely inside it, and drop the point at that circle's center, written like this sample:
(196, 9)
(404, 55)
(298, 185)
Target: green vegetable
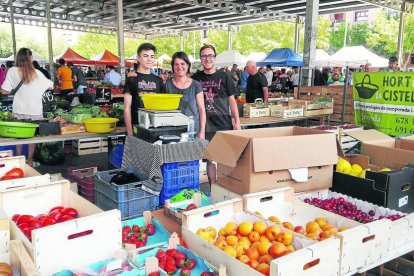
(102, 115)
(50, 153)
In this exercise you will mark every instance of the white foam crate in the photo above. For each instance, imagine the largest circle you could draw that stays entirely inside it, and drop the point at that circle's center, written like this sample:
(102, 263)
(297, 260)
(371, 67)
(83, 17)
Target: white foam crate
(292, 264)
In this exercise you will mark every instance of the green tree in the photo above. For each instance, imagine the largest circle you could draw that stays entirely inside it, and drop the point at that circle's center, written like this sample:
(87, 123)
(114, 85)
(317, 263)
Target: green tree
(336, 39)
(358, 34)
(409, 33)
(383, 35)
(6, 45)
(324, 32)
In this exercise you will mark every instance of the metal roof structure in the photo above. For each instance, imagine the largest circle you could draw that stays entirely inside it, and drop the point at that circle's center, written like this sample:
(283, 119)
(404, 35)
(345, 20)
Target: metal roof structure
(170, 17)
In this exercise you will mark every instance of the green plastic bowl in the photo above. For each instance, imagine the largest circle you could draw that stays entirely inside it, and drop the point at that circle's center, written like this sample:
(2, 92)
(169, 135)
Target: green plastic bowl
(17, 129)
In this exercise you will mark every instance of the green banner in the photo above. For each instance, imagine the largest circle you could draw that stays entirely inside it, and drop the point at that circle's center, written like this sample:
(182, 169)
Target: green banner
(385, 101)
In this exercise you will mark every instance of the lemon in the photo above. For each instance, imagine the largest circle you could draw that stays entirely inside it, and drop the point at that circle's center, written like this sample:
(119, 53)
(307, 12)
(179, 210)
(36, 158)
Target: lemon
(356, 168)
(385, 170)
(343, 166)
(362, 174)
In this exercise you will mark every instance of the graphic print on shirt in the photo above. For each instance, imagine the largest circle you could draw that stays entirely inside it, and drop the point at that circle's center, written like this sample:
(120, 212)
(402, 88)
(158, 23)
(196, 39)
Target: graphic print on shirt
(210, 94)
(147, 85)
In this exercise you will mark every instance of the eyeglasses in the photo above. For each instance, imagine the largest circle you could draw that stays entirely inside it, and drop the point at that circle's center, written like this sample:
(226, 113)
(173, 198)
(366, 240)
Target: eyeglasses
(207, 56)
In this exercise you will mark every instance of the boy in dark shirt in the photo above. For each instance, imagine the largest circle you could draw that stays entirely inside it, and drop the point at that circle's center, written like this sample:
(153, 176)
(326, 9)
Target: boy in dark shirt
(144, 81)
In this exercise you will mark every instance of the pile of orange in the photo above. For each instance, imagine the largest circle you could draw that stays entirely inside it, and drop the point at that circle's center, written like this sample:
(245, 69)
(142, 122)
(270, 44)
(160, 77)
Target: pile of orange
(255, 244)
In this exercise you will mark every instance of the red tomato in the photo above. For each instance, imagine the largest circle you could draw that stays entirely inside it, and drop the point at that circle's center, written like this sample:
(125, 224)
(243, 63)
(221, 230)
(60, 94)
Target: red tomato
(48, 221)
(15, 217)
(58, 208)
(36, 224)
(70, 212)
(65, 218)
(25, 218)
(55, 215)
(24, 226)
(15, 173)
(41, 217)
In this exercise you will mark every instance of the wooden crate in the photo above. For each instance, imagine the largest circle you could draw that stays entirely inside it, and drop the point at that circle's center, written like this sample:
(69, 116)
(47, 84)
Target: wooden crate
(90, 146)
(72, 128)
(286, 111)
(4, 238)
(292, 264)
(91, 228)
(20, 259)
(331, 92)
(251, 110)
(314, 109)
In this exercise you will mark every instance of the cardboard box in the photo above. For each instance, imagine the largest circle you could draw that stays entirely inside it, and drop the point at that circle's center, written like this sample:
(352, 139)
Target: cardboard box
(251, 110)
(285, 111)
(393, 189)
(71, 243)
(255, 160)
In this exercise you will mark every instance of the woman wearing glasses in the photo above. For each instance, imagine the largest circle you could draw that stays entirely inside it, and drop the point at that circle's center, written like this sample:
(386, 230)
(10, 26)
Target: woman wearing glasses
(192, 102)
(219, 91)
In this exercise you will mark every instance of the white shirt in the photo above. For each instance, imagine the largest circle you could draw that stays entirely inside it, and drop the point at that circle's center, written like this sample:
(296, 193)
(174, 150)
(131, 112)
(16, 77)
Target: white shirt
(269, 77)
(295, 79)
(28, 99)
(113, 77)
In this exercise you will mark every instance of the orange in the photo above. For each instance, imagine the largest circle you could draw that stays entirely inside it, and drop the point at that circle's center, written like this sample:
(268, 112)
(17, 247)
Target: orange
(321, 221)
(263, 248)
(263, 239)
(243, 259)
(285, 237)
(230, 250)
(260, 227)
(288, 225)
(230, 228)
(245, 228)
(232, 240)
(265, 259)
(252, 253)
(263, 268)
(253, 263)
(274, 219)
(254, 236)
(277, 250)
(272, 232)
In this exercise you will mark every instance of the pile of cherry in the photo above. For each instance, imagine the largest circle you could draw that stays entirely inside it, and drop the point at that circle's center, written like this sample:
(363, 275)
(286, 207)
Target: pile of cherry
(347, 209)
(27, 223)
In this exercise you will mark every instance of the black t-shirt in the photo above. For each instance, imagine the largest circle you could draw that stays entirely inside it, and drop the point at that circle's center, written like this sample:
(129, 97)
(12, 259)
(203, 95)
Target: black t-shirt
(138, 84)
(217, 89)
(254, 87)
(80, 76)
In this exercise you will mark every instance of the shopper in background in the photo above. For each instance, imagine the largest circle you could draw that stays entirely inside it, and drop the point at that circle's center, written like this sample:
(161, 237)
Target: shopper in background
(295, 76)
(143, 82)
(219, 90)
(78, 78)
(192, 102)
(235, 75)
(256, 85)
(269, 74)
(392, 65)
(243, 79)
(2, 74)
(64, 75)
(367, 67)
(37, 66)
(112, 76)
(28, 84)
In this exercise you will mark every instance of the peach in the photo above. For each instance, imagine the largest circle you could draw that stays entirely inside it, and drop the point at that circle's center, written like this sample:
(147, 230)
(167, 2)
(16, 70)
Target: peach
(265, 259)
(300, 229)
(263, 248)
(252, 253)
(285, 237)
(230, 250)
(326, 234)
(231, 228)
(272, 232)
(277, 250)
(243, 259)
(321, 221)
(253, 263)
(245, 240)
(263, 268)
(232, 240)
(274, 219)
(260, 227)
(288, 225)
(240, 248)
(254, 236)
(312, 224)
(313, 236)
(245, 228)
(264, 239)
(290, 248)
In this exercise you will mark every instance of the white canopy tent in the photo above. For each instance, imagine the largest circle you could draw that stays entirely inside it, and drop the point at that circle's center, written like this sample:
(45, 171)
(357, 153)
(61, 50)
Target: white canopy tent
(321, 57)
(228, 58)
(354, 56)
(257, 56)
(35, 56)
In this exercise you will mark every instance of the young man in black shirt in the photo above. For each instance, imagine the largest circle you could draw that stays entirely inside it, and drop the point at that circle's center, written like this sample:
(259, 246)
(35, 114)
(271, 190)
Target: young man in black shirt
(219, 90)
(144, 81)
(256, 84)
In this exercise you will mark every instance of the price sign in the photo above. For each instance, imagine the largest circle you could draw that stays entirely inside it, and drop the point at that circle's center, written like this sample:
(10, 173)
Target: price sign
(103, 96)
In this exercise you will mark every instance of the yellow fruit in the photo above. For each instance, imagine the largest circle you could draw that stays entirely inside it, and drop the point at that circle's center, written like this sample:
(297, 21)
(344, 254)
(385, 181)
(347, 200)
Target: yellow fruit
(260, 227)
(221, 244)
(230, 250)
(222, 232)
(343, 166)
(259, 214)
(285, 237)
(288, 225)
(385, 170)
(240, 249)
(212, 231)
(321, 221)
(264, 239)
(263, 248)
(356, 168)
(362, 174)
(245, 228)
(274, 219)
(230, 228)
(204, 234)
(232, 240)
(343, 229)
(245, 240)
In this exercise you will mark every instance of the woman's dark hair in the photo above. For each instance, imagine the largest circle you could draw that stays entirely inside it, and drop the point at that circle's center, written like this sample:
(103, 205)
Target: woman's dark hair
(24, 63)
(183, 56)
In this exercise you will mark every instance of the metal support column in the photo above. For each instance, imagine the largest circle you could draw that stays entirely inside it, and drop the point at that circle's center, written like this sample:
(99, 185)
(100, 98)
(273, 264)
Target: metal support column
(12, 28)
(311, 25)
(297, 35)
(182, 41)
(194, 45)
(400, 47)
(49, 41)
(229, 39)
(346, 85)
(121, 47)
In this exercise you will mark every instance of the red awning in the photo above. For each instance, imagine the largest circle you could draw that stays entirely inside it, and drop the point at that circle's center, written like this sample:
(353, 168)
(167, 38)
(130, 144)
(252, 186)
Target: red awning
(107, 58)
(71, 56)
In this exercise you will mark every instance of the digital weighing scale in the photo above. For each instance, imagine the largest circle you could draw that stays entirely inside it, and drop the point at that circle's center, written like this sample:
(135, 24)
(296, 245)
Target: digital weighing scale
(156, 118)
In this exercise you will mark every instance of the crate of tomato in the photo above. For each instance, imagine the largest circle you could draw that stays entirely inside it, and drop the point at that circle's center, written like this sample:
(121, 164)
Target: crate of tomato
(15, 167)
(53, 221)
